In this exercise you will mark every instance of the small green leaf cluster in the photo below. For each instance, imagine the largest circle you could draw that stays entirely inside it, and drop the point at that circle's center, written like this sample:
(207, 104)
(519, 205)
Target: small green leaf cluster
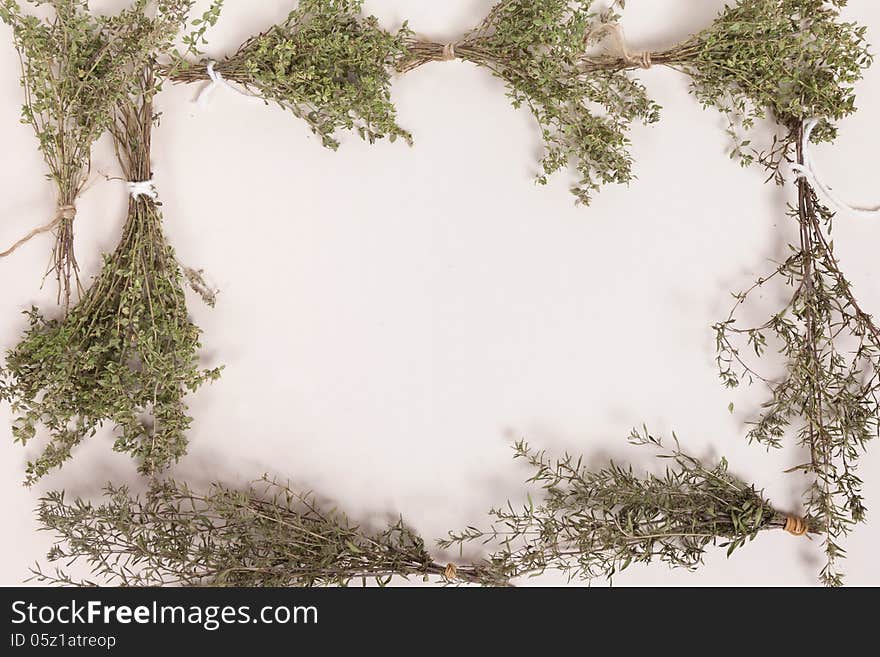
(126, 354)
(791, 60)
(327, 64)
(77, 66)
(596, 523)
(268, 535)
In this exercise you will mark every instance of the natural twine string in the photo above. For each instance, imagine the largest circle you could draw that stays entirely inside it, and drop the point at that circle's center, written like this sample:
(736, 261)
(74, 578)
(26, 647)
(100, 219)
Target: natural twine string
(64, 213)
(796, 526)
(448, 52)
(809, 172)
(642, 59)
(217, 80)
(451, 572)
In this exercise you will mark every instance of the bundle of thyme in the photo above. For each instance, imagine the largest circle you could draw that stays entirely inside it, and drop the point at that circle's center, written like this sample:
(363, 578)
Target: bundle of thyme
(538, 48)
(266, 535)
(595, 524)
(325, 62)
(830, 391)
(788, 60)
(127, 353)
(77, 66)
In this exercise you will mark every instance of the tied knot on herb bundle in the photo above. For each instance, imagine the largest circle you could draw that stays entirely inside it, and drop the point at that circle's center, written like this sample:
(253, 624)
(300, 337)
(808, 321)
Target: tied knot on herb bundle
(127, 353)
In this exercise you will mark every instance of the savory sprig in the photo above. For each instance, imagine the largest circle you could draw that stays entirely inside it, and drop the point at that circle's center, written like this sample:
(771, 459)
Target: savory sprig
(829, 393)
(596, 523)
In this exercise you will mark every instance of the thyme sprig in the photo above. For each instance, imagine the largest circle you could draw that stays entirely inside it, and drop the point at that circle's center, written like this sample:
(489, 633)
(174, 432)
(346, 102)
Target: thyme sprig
(596, 523)
(127, 354)
(266, 535)
(76, 67)
(326, 62)
(829, 393)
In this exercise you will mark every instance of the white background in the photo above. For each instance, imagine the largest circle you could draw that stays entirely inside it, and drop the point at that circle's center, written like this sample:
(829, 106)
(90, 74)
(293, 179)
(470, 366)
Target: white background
(393, 318)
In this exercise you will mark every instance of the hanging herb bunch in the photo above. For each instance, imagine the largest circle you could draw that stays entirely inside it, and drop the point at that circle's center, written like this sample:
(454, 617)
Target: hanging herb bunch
(267, 535)
(127, 354)
(326, 63)
(830, 391)
(595, 524)
(76, 67)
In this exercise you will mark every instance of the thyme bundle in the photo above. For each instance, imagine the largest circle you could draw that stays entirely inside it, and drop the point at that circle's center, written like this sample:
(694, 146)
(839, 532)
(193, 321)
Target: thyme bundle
(789, 60)
(595, 524)
(325, 62)
(266, 535)
(127, 353)
(538, 48)
(76, 68)
(830, 391)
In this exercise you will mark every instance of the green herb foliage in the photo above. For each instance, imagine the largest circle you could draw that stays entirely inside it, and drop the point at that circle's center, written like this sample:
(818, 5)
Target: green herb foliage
(326, 63)
(539, 47)
(788, 60)
(830, 391)
(594, 524)
(77, 66)
(127, 354)
(266, 535)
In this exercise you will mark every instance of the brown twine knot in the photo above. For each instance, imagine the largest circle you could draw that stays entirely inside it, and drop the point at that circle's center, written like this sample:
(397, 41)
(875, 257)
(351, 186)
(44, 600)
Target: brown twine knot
(448, 53)
(63, 213)
(451, 572)
(642, 59)
(796, 526)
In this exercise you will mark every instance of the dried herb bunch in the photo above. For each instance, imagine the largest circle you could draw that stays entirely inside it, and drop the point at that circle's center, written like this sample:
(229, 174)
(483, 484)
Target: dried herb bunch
(128, 352)
(266, 535)
(327, 63)
(76, 68)
(789, 60)
(539, 48)
(594, 524)
(829, 394)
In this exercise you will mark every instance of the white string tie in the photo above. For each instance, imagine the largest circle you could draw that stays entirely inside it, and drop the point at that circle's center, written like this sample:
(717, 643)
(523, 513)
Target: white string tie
(217, 80)
(809, 172)
(143, 188)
